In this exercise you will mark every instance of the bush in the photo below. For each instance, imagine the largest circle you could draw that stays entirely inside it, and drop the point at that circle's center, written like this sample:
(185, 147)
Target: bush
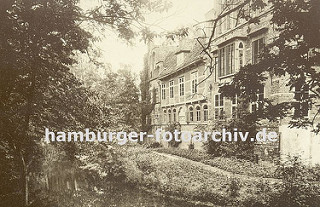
(192, 154)
(243, 167)
(171, 128)
(299, 186)
(234, 187)
(153, 145)
(232, 164)
(186, 179)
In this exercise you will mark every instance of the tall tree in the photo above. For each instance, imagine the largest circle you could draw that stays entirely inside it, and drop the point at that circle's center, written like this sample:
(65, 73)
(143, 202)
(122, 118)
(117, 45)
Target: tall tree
(38, 41)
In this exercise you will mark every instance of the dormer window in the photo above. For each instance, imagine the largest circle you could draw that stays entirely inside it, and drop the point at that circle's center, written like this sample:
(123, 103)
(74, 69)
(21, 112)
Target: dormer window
(181, 56)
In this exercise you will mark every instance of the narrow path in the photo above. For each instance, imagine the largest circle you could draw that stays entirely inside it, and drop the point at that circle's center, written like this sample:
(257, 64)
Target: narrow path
(216, 169)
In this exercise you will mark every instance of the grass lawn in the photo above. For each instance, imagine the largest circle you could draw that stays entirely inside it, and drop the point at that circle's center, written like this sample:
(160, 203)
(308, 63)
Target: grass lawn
(243, 167)
(189, 179)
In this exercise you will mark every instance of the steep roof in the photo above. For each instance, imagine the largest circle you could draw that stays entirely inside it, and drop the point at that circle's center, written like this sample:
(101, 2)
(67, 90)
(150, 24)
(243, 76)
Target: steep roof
(170, 62)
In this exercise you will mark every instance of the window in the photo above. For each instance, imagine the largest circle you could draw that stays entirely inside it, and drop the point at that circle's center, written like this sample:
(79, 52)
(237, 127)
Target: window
(256, 103)
(163, 91)
(174, 115)
(169, 115)
(257, 47)
(191, 114)
(226, 60)
(194, 82)
(198, 113)
(180, 58)
(301, 106)
(219, 26)
(164, 115)
(228, 17)
(205, 113)
(218, 105)
(181, 86)
(171, 88)
(241, 61)
(234, 104)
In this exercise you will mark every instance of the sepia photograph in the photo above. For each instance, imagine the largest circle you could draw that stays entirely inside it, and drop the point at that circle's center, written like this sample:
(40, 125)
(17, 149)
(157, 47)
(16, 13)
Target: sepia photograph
(159, 103)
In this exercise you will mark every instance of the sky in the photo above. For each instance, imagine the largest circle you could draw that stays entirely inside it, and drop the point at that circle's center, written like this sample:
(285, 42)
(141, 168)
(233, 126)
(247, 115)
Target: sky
(183, 13)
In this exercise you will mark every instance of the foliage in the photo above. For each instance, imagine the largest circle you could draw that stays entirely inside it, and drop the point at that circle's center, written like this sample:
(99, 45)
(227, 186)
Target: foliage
(297, 189)
(146, 103)
(234, 187)
(294, 54)
(153, 145)
(39, 40)
(171, 128)
(245, 122)
(185, 179)
(232, 164)
(195, 155)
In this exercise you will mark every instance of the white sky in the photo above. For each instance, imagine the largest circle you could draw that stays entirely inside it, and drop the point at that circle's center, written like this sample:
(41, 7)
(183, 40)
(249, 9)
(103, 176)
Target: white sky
(182, 13)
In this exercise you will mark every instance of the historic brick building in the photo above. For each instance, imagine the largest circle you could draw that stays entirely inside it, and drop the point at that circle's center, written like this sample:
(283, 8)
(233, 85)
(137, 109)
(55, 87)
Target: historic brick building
(176, 70)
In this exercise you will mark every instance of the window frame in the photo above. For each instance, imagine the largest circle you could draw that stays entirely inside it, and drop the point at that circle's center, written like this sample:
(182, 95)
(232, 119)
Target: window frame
(219, 106)
(171, 89)
(191, 117)
(226, 60)
(198, 113)
(181, 86)
(259, 43)
(205, 112)
(163, 91)
(259, 97)
(194, 82)
(234, 106)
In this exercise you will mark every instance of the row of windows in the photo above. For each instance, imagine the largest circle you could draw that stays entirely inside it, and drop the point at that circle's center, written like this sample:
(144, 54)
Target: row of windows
(198, 113)
(231, 20)
(194, 114)
(194, 86)
(301, 106)
(225, 61)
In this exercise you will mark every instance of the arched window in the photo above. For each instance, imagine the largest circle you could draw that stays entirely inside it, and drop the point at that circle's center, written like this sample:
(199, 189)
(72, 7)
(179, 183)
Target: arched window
(169, 115)
(205, 113)
(164, 116)
(241, 61)
(174, 115)
(191, 114)
(198, 113)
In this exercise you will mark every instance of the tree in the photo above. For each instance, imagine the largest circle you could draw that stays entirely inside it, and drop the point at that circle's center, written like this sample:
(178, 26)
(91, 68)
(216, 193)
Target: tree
(294, 54)
(147, 104)
(37, 47)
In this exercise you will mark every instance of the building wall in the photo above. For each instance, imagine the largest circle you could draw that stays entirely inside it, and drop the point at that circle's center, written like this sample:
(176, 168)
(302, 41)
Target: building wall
(292, 141)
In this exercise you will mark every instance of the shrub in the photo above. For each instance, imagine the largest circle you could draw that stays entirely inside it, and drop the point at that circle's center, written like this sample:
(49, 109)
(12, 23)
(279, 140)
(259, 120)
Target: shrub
(234, 187)
(192, 154)
(153, 145)
(232, 164)
(171, 128)
(243, 167)
(298, 187)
